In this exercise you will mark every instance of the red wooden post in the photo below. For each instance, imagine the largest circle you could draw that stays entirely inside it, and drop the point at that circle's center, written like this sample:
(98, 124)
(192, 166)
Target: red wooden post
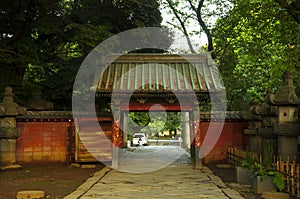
(116, 133)
(197, 143)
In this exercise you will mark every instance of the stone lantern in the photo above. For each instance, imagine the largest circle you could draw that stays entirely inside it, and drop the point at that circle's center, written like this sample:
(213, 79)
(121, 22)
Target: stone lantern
(254, 118)
(9, 110)
(287, 129)
(269, 114)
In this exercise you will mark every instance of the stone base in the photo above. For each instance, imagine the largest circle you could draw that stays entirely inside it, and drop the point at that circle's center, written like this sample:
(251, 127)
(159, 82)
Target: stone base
(88, 166)
(243, 176)
(277, 195)
(31, 194)
(224, 166)
(13, 166)
(263, 185)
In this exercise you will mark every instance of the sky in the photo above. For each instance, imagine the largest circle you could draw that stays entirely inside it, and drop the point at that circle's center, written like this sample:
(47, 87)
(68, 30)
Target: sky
(180, 39)
(198, 41)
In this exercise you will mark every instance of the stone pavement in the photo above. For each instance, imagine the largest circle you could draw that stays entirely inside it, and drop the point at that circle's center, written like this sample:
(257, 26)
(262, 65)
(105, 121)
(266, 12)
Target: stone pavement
(178, 180)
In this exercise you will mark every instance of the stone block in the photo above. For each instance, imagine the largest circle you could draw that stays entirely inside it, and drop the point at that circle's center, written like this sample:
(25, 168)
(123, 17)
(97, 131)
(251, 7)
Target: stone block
(288, 114)
(243, 176)
(88, 166)
(13, 166)
(277, 195)
(30, 194)
(7, 151)
(287, 129)
(224, 166)
(262, 185)
(287, 147)
(250, 131)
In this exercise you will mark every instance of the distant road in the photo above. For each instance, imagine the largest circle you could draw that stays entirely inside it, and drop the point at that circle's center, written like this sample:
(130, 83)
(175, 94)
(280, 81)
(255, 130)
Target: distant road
(165, 142)
(149, 158)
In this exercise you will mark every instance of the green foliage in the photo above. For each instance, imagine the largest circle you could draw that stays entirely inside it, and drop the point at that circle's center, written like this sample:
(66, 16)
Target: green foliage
(266, 169)
(193, 17)
(140, 119)
(43, 43)
(249, 161)
(173, 121)
(268, 155)
(278, 181)
(255, 43)
(258, 169)
(290, 1)
(156, 124)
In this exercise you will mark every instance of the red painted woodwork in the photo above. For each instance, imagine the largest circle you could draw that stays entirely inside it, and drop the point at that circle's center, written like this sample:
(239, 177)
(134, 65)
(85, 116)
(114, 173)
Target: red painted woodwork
(231, 135)
(147, 107)
(42, 141)
(197, 133)
(48, 140)
(93, 143)
(117, 138)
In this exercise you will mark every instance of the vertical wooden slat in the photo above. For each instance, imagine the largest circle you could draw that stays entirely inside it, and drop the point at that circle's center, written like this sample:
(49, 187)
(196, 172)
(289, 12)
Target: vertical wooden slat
(287, 176)
(298, 183)
(292, 180)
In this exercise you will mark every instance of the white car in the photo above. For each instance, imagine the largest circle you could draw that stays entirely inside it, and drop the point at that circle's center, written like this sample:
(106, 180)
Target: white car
(140, 139)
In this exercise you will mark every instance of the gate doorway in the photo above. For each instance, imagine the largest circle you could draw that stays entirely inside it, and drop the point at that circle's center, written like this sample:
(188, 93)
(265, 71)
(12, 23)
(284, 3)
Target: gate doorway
(158, 83)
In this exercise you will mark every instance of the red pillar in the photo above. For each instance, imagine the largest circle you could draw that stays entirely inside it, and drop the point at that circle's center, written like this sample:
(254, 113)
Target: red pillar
(196, 134)
(197, 143)
(116, 133)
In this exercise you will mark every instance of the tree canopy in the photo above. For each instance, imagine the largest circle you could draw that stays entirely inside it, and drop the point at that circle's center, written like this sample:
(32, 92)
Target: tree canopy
(255, 43)
(193, 17)
(154, 122)
(42, 43)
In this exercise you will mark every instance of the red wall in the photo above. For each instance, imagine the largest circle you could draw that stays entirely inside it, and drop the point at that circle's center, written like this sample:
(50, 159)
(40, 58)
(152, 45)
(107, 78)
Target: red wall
(232, 134)
(43, 141)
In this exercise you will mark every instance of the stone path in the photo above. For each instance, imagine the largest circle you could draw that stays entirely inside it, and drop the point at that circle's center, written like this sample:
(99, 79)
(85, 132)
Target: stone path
(178, 180)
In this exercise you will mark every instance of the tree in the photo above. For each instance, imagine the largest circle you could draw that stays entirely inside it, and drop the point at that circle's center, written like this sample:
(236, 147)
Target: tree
(255, 43)
(43, 43)
(200, 13)
(156, 124)
(173, 122)
(21, 23)
(293, 8)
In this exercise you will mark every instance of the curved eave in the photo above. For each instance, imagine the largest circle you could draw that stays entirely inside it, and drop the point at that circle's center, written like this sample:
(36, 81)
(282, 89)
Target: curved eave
(159, 74)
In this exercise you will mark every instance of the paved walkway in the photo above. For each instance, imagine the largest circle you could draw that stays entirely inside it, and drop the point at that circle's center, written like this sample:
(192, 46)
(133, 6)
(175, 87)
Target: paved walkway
(178, 180)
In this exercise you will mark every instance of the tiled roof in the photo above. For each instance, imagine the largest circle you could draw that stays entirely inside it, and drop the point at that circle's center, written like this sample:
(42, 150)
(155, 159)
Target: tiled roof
(160, 73)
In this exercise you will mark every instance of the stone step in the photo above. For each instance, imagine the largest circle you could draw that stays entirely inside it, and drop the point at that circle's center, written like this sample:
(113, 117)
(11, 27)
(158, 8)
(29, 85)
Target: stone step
(30, 194)
(277, 195)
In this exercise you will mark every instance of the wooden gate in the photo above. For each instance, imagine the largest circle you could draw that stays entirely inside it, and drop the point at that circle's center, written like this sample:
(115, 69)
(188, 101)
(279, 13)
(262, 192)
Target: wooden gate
(92, 144)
